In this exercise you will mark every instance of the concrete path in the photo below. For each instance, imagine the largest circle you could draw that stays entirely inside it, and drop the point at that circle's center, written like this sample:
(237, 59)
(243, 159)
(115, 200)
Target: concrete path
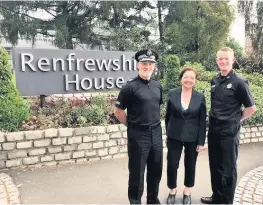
(105, 182)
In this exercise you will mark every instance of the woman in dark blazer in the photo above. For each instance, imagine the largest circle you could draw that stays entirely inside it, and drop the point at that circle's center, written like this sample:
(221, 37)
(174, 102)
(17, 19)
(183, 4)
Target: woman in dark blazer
(185, 123)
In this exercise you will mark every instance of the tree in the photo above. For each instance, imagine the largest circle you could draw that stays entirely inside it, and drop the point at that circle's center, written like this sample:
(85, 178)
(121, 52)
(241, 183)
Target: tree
(69, 22)
(172, 63)
(253, 13)
(238, 50)
(13, 109)
(126, 24)
(196, 30)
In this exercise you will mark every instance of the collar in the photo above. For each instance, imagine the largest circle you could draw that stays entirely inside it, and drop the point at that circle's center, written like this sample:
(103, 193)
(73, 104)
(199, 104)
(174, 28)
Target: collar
(229, 75)
(143, 80)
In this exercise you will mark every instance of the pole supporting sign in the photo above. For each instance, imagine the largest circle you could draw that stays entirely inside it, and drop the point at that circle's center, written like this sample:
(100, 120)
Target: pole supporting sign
(61, 71)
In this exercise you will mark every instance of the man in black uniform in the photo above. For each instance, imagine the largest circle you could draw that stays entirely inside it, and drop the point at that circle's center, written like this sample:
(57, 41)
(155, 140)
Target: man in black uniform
(228, 93)
(142, 96)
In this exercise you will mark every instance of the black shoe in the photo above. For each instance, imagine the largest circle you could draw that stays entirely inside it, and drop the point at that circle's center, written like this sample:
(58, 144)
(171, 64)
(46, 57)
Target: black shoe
(171, 199)
(207, 200)
(187, 199)
(134, 201)
(155, 201)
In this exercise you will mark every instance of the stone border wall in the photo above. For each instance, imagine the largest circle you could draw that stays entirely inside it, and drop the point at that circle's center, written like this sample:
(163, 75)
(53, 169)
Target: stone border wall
(77, 145)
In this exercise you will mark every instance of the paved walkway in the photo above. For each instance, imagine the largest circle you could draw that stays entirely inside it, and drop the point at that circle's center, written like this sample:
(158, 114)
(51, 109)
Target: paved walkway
(105, 182)
(9, 193)
(250, 187)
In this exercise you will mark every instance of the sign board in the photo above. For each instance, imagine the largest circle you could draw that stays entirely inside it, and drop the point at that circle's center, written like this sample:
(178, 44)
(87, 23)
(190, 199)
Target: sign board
(59, 71)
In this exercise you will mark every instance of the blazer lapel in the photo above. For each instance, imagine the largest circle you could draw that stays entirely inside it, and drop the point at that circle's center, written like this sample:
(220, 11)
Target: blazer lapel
(191, 100)
(178, 102)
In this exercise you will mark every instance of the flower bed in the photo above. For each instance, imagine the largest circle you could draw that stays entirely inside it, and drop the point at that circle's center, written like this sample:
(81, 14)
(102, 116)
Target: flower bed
(61, 112)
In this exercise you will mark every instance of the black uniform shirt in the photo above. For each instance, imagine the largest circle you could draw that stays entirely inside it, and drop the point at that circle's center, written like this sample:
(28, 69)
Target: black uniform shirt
(228, 94)
(142, 98)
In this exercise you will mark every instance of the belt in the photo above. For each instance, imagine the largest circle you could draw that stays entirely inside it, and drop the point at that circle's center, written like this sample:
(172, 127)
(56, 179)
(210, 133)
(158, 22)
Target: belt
(143, 127)
(217, 121)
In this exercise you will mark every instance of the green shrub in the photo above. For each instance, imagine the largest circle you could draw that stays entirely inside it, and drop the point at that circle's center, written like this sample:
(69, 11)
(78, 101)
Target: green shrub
(203, 86)
(202, 73)
(172, 64)
(255, 79)
(94, 115)
(13, 109)
(100, 101)
(238, 49)
(73, 112)
(255, 84)
(258, 97)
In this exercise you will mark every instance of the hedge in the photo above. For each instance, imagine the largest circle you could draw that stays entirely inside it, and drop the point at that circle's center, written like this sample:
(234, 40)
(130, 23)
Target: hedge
(13, 109)
(203, 85)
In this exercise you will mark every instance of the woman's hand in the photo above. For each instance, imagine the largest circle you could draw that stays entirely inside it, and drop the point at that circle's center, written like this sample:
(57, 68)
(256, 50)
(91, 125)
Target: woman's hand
(200, 148)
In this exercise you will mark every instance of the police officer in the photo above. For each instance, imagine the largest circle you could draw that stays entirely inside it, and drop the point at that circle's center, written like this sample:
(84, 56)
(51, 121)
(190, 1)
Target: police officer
(229, 93)
(142, 97)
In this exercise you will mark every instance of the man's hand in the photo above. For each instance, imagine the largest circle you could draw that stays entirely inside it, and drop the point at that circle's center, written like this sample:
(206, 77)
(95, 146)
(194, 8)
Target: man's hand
(248, 112)
(120, 115)
(200, 148)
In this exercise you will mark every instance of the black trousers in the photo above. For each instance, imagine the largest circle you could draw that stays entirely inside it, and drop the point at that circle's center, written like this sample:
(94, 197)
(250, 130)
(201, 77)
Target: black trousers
(145, 147)
(223, 142)
(173, 158)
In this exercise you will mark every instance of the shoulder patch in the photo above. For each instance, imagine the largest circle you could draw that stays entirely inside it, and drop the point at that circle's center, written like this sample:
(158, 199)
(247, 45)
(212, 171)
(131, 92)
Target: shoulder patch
(130, 80)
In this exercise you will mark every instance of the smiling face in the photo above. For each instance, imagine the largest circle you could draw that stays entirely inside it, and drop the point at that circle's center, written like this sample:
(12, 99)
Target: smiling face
(188, 79)
(145, 69)
(225, 60)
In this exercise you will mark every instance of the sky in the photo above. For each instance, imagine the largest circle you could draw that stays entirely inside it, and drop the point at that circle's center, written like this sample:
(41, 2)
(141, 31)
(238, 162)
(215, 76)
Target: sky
(237, 29)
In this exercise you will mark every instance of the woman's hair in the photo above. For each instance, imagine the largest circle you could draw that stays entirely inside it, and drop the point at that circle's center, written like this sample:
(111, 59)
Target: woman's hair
(187, 69)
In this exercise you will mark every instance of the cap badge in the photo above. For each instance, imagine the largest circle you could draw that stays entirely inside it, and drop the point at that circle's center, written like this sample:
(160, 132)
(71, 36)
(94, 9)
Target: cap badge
(149, 53)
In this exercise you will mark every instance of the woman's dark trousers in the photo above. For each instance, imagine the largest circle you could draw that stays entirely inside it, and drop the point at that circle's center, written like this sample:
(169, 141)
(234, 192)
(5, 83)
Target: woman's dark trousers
(173, 157)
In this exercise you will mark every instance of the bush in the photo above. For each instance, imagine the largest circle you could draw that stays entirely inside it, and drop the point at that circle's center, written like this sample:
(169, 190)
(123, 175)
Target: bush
(202, 73)
(13, 109)
(258, 97)
(172, 64)
(237, 48)
(81, 112)
(72, 112)
(93, 114)
(255, 79)
(203, 86)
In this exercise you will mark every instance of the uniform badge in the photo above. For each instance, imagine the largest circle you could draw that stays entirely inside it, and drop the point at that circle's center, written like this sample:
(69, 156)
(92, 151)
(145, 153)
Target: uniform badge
(149, 53)
(229, 85)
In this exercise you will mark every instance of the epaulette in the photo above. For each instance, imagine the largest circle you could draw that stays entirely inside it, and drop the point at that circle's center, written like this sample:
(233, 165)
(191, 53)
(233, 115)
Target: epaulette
(130, 80)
